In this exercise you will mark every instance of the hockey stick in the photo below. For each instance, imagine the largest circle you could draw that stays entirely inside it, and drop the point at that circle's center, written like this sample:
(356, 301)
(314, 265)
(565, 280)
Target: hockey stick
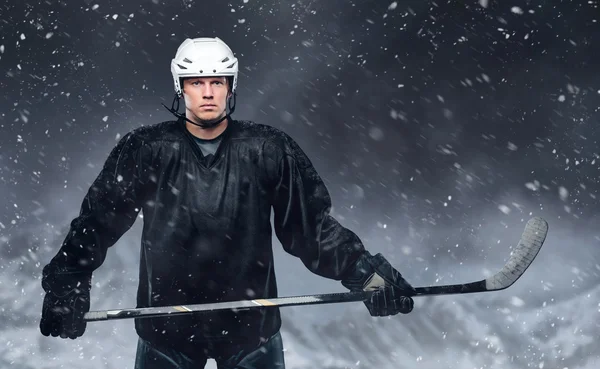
(530, 244)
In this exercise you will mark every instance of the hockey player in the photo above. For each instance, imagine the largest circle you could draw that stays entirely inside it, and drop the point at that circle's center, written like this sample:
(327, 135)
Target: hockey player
(207, 184)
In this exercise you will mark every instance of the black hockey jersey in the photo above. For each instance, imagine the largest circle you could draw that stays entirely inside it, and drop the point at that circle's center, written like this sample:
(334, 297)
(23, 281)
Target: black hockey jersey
(206, 226)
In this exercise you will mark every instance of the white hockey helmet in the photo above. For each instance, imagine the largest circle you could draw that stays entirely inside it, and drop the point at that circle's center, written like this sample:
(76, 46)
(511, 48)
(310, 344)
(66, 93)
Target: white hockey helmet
(204, 57)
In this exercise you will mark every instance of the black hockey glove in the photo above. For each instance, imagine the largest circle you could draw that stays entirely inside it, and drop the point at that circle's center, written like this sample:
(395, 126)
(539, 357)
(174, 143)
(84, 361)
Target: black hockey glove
(67, 300)
(374, 273)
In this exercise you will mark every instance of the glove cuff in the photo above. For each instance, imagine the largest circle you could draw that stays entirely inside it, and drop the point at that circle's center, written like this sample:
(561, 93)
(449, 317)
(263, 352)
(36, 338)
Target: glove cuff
(371, 272)
(63, 282)
(359, 274)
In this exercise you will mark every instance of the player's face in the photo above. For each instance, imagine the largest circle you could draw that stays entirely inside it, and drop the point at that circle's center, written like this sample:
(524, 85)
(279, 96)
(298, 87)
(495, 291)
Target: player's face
(206, 97)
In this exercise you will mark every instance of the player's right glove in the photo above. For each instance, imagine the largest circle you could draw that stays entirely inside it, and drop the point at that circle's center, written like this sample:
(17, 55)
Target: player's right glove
(67, 300)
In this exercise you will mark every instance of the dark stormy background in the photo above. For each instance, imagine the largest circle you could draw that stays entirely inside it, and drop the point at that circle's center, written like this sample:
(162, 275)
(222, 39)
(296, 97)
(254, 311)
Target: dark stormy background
(440, 128)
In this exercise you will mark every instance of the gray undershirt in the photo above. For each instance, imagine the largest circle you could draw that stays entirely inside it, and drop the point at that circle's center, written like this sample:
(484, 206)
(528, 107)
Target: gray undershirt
(208, 147)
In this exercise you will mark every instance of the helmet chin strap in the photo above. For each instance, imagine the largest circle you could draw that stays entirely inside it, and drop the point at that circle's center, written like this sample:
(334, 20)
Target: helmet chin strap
(205, 124)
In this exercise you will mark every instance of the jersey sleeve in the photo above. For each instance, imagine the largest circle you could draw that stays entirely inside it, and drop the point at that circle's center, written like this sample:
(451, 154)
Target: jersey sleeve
(108, 210)
(302, 220)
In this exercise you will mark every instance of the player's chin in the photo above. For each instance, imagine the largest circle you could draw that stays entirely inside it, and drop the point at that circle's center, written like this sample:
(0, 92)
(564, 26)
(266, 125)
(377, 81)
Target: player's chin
(208, 115)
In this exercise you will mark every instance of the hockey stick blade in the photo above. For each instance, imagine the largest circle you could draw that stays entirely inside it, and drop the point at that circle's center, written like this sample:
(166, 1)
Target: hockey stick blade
(521, 258)
(530, 244)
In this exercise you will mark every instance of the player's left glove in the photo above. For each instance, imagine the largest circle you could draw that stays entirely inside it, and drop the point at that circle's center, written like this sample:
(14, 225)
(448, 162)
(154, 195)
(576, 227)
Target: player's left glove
(374, 273)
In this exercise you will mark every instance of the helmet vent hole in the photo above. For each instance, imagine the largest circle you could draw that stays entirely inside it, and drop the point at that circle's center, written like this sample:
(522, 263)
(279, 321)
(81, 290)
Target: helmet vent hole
(181, 66)
(187, 60)
(214, 71)
(201, 71)
(225, 60)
